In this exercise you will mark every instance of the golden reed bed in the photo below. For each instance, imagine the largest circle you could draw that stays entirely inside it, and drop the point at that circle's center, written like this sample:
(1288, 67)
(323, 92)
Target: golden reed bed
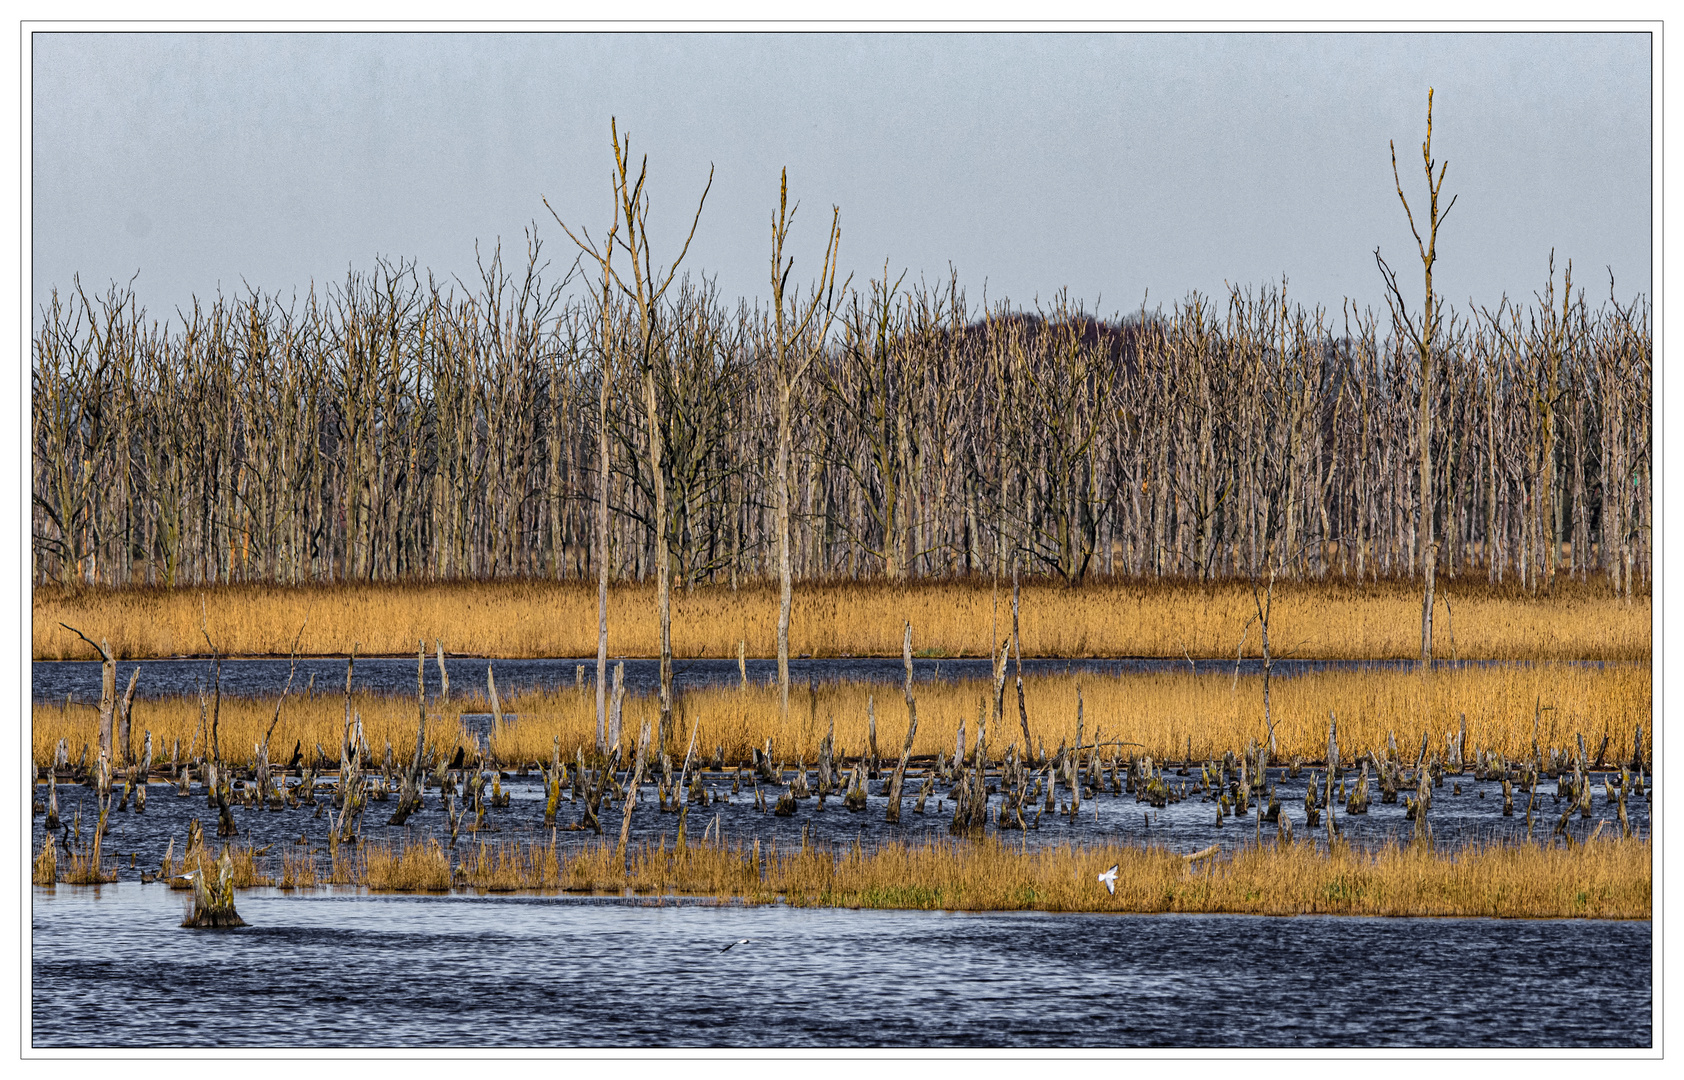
(1503, 703)
(1608, 879)
(1312, 620)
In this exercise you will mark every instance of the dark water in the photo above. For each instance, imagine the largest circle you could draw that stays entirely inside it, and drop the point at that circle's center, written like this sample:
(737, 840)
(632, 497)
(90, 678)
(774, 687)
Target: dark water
(1473, 816)
(338, 969)
(52, 680)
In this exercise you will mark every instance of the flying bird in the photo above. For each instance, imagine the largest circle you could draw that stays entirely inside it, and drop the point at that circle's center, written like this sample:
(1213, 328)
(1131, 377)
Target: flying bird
(734, 944)
(1109, 880)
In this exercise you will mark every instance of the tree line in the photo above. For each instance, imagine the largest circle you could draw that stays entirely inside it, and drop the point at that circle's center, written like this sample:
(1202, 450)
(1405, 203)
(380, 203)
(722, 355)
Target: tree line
(394, 428)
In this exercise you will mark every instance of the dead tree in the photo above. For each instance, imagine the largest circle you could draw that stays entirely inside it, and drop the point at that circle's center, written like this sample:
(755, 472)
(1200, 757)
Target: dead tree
(794, 331)
(1424, 337)
(899, 778)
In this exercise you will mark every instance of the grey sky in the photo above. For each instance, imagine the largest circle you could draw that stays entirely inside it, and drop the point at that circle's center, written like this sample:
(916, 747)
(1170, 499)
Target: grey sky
(1105, 164)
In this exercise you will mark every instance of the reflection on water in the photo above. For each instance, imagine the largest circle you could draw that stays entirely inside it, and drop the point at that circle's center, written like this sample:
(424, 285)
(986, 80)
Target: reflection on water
(337, 968)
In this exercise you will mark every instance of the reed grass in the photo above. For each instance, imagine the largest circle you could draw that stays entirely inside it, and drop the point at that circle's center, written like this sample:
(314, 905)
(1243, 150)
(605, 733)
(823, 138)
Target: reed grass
(1159, 712)
(525, 618)
(421, 866)
(44, 871)
(249, 865)
(1609, 879)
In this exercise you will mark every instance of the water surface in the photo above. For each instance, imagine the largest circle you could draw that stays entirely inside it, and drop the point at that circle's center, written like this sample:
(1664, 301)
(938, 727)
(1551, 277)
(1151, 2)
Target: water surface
(53, 680)
(342, 969)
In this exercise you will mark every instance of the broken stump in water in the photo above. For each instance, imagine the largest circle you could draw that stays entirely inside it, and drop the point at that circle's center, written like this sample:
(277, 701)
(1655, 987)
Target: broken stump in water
(213, 902)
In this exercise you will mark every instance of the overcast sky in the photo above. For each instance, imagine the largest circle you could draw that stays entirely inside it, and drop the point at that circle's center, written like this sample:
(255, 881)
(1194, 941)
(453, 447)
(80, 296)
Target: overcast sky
(1108, 165)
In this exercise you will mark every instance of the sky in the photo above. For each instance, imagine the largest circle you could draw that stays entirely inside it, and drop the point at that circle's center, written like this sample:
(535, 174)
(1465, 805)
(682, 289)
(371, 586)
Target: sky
(1125, 168)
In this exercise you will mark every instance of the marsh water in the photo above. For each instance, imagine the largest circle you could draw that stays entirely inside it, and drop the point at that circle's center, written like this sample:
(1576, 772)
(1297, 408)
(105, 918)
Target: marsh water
(339, 968)
(54, 680)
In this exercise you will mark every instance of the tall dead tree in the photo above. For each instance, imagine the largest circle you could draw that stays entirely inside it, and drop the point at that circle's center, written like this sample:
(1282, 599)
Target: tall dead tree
(799, 330)
(1423, 336)
(647, 289)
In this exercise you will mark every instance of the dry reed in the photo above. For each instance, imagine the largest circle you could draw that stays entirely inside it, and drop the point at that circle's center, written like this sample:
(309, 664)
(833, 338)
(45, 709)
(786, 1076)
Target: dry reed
(1601, 879)
(1159, 712)
(1310, 620)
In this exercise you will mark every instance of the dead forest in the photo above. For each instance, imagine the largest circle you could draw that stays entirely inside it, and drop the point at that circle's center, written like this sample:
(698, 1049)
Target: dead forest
(392, 428)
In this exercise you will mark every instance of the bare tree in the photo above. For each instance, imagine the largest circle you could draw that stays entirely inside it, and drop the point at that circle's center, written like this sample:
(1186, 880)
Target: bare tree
(799, 330)
(1423, 337)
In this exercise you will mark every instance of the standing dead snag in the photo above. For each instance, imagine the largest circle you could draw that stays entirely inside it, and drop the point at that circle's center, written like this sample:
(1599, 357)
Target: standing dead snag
(647, 287)
(1424, 337)
(633, 782)
(409, 796)
(1000, 673)
(798, 326)
(213, 901)
(349, 795)
(496, 702)
(617, 705)
(871, 768)
(899, 778)
(554, 774)
(219, 781)
(107, 689)
(679, 792)
(125, 710)
(1332, 776)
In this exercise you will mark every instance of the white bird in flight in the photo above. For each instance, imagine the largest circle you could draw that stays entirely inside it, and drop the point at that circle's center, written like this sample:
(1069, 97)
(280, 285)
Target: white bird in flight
(734, 944)
(1109, 880)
